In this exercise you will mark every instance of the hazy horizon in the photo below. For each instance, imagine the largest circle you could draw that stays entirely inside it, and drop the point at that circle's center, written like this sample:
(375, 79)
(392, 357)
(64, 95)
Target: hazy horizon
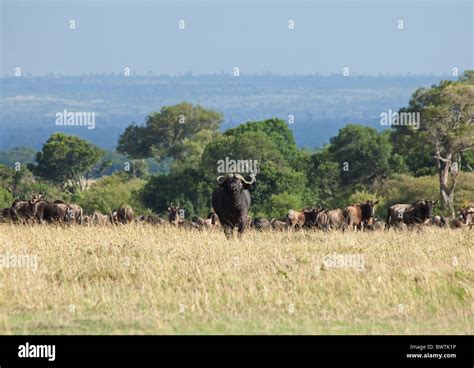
(262, 74)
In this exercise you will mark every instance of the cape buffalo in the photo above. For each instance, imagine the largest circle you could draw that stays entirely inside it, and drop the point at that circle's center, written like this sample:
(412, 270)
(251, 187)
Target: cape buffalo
(231, 202)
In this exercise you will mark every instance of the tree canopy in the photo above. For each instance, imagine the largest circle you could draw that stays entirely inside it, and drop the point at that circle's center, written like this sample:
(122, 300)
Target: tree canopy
(179, 132)
(66, 160)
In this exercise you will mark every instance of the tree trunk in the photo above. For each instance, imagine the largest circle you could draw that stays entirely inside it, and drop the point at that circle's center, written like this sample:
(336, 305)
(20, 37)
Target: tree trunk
(444, 166)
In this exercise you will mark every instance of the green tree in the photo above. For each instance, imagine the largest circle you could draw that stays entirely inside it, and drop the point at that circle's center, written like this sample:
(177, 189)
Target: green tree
(7, 178)
(362, 153)
(66, 160)
(6, 198)
(446, 133)
(186, 187)
(324, 178)
(23, 155)
(280, 134)
(277, 205)
(109, 192)
(179, 132)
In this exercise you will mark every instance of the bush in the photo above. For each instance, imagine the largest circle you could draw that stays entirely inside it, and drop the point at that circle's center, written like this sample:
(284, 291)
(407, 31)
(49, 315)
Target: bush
(109, 192)
(406, 189)
(278, 205)
(6, 198)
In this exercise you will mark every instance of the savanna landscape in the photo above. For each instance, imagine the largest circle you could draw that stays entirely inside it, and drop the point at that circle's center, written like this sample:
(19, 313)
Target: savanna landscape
(302, 168)
(141, 279)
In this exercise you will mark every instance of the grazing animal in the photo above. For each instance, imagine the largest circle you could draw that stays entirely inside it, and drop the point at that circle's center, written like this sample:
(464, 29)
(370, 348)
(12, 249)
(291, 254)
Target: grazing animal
(98, 218)
(457, 224)
(190, 225)
(43, 210)
(113, 218)
(439, 221)
(124, 214)
(7, 214)
(78, 211)
(295, 219)
(334, 219)
(322, 220)
(200, 222)
(261, 224)
(61, 213)
(19, 210)
(467, 215)
(357, 215)
(278, 225)
(375, 224)
(151, 219)
(312, 217)
(417, 213)
(231, 202)
(212, 220)
(173, 215)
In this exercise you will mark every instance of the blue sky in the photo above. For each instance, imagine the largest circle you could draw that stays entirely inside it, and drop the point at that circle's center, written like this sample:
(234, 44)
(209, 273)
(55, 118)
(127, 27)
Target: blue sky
(254, 36)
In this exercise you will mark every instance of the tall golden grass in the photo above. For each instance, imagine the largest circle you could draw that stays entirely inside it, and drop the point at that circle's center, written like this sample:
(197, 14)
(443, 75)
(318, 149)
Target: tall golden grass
(140, 279)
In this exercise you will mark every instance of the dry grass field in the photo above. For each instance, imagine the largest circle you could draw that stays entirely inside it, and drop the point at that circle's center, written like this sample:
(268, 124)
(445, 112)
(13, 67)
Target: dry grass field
(139, 279)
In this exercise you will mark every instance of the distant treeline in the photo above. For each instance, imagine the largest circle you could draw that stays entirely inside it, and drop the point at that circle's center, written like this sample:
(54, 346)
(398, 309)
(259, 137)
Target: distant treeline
(186, 143)
(325, 103)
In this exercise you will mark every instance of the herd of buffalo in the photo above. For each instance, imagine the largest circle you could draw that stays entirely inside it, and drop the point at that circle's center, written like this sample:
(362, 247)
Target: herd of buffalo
(231, 201)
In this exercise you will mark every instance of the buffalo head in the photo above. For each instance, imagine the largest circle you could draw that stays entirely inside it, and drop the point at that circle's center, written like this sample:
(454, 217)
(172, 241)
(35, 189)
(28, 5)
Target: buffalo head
(234, 183)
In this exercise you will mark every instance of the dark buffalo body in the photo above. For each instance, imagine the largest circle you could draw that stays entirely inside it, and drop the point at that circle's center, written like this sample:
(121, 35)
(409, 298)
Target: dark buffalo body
(231, 202)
